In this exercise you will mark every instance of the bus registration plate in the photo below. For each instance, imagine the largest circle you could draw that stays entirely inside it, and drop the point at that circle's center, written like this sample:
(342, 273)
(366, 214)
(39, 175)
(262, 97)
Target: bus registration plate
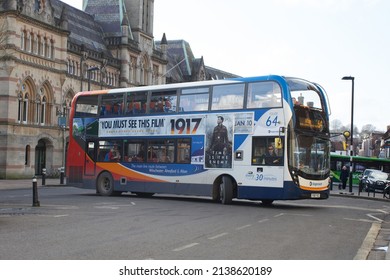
(315, 195)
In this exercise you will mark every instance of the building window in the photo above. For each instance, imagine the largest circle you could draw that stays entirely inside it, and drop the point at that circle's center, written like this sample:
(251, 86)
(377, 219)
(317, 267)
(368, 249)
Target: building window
(70, 67)
(27, 156)
(20, 107)
(43, 49)
(36, 44)
(48, 46)
(43, 110)
(37, 108)
(52, 53)
(29, 42)
(22, 40)
(25, 108)
(39, 50)
(39, 6)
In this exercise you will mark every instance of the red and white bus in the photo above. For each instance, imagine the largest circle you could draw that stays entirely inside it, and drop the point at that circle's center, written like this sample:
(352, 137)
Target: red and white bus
(259, 138)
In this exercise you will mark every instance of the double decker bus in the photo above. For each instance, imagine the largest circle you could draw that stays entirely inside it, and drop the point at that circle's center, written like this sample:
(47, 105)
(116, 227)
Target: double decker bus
(260, 138)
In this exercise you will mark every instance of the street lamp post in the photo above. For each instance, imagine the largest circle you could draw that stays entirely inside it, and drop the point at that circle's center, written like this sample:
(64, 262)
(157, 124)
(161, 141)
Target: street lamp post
(89, 75)
(350, 78)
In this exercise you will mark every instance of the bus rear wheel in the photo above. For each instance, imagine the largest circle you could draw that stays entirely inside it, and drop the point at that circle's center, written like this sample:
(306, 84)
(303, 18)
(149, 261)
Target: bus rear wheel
(105, 184)
(226, 190)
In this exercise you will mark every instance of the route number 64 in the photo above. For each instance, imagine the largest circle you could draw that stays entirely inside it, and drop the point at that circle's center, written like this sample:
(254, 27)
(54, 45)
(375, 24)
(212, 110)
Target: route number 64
(272, 120)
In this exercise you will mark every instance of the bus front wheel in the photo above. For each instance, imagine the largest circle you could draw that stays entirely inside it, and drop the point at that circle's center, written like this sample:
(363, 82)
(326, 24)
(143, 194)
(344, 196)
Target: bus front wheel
(105, 184)
(267, 202)
(226, 190)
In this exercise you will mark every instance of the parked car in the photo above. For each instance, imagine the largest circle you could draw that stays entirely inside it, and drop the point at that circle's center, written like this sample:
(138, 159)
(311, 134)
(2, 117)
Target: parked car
(374, 180)
(363, 178)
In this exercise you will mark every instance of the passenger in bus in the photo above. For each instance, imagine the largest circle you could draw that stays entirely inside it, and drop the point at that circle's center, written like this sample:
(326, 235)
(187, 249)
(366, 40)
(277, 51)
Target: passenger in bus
(160, 105)
(102, 110)
(152, 157)
(164, 158)
(138, 157)
(108, 109)
(113, 154)
(115, 109)
(270, 156)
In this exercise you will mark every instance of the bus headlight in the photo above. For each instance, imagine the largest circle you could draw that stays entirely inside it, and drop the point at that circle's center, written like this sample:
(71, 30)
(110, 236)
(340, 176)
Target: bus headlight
(295, 177)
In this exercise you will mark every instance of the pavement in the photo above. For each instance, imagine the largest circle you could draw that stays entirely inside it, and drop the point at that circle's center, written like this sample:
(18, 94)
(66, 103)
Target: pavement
(375, 246)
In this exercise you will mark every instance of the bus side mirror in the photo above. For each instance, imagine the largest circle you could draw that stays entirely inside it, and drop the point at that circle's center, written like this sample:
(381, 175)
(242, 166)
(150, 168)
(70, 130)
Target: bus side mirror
(278, 143)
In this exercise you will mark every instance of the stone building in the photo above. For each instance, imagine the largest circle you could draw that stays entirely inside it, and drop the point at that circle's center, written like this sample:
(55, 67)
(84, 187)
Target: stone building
(183, 66)
(49, 51)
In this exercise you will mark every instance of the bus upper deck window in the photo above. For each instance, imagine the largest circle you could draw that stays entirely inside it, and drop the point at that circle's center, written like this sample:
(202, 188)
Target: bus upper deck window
(135, 103)
(194, 99)
(163, 102)
(112, 104)
(228, 97)
(86, 106)
(264, 95)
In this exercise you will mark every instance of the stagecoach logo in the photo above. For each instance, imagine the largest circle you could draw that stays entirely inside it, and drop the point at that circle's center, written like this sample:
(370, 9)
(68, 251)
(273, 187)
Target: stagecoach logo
(315, 184)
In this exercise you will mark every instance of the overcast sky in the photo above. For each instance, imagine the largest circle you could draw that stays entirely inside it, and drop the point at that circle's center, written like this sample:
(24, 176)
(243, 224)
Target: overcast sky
(318, 40)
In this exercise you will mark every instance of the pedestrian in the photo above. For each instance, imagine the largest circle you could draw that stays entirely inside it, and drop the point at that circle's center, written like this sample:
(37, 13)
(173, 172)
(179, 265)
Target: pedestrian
(344, 174)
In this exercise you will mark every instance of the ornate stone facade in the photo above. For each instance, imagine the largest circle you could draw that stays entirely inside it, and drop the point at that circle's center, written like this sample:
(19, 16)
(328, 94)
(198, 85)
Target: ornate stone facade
(49, 51)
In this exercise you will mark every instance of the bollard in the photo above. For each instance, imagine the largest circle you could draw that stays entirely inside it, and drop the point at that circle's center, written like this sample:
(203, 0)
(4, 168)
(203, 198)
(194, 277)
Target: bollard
(62, 176)
(43, 176)
(35, 193)
(331, 182)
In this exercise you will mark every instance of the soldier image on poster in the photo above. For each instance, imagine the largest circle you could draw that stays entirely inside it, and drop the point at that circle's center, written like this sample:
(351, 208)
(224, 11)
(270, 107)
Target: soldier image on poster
(219, 152)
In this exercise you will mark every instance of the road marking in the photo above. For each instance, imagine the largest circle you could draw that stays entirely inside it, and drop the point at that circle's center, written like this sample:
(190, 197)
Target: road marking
(60, 216)
(359, 220)
(246, 226)
(335, 206)
(375, 218)
(262, 221)
(218, 236)
(112, 207)
(185, 247)
(63, 207)
(368, 242)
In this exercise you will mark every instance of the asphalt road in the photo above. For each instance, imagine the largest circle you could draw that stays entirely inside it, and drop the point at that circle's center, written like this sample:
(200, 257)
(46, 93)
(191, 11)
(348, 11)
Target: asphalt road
(77, 224)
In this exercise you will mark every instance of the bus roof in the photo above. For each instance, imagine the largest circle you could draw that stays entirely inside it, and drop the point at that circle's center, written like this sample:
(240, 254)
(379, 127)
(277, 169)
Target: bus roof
(201, 83)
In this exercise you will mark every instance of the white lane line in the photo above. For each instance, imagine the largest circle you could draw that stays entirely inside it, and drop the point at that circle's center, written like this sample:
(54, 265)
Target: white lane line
(185, 247)
(359, 220)
(218, 236)
(246, 226)
(375, 218)
(262, 221)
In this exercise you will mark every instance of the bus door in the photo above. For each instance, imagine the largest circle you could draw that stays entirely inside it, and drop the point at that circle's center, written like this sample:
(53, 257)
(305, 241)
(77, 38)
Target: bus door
(90, 159)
